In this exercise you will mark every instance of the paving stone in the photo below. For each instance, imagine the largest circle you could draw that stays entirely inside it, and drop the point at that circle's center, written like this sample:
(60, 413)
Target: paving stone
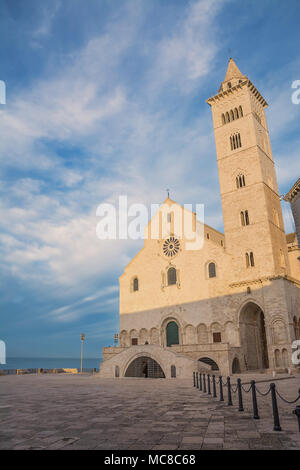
(86, 412)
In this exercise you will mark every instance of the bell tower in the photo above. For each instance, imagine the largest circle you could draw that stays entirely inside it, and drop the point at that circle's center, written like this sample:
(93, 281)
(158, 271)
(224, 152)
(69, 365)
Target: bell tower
(253, 223)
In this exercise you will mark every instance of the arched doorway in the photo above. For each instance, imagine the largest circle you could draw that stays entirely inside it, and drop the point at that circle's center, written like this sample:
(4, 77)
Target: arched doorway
(236, 369)
(209, 362)
(172, 333)
(146, 367)
(253, 337)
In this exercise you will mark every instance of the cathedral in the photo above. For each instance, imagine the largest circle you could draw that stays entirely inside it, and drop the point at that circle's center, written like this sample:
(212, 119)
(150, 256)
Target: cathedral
(233, 304)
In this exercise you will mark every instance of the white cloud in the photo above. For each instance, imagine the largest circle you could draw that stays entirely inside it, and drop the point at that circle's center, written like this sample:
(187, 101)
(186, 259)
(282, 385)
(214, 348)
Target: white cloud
(187, 54)
(130, 144)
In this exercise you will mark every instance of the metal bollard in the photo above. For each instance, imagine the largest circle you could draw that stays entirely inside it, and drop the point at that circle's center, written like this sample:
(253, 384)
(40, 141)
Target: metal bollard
(214, 386)
(208, 384)
(239, 387)
(277, 426)
(254, 400)
(194, 378)
(197, 380)
(221, 388)
(200, 384)
(297, 413)
(204, 384)
(229, 392)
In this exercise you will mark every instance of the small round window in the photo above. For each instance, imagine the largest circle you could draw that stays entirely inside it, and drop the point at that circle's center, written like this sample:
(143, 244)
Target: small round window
(171, 247)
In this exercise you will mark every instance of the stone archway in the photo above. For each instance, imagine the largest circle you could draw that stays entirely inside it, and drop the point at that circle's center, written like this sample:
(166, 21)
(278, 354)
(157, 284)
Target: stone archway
(253, 337)
(144, 366)
(209, 362)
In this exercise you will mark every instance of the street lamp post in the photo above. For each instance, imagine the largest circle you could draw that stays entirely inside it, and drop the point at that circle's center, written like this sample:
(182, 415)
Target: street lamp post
(82, 340)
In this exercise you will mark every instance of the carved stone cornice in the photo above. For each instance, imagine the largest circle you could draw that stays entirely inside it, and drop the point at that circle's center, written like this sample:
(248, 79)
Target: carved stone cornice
(261, 280)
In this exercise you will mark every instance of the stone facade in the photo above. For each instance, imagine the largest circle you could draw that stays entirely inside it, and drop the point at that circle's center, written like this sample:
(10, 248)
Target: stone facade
(293, 197)
(233, 303)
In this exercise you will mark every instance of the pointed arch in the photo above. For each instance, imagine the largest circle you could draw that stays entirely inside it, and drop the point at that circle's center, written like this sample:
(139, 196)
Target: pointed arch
(172, 276)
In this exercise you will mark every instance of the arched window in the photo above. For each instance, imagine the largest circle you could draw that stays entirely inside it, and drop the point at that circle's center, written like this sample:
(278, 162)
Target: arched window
(227, 117)
(212, 270)
(173, 372)
(231, 116)
(172, 276)
(229, 85)
(235, 141)
(240, 181)
(242, 218)
(247, 260)
(236, 113)
(245, 218)
(250, 259)
(172, 332)
(135, 284)
(239, 140)
(247, 221)
(241, 111)
(236, 368)
(223, 119)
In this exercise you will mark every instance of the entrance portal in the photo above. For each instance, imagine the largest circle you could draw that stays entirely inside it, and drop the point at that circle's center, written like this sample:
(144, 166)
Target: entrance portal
(145, 367)
(172, 333)
(253, 337)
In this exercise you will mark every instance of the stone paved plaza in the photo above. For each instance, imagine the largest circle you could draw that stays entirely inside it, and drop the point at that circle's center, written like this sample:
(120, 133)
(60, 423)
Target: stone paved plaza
(86, 412)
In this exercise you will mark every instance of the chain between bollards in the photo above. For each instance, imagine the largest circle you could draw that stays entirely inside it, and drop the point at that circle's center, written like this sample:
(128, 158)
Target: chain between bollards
(199, 380)
(254, 400)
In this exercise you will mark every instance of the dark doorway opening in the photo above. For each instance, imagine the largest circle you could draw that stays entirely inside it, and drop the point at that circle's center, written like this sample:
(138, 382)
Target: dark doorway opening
(145, 367)
(172, 333)
(236, 369)
(253, 337)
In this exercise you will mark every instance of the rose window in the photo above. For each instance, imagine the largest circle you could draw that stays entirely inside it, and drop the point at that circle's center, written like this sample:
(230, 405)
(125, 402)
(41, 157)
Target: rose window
(171, 247)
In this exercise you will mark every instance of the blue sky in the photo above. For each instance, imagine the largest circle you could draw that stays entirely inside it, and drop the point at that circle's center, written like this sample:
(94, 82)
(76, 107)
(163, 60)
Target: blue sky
(105, 98)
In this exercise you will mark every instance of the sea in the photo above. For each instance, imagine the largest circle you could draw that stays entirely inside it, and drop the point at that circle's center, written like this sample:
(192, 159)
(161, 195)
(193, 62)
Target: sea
(13, 363)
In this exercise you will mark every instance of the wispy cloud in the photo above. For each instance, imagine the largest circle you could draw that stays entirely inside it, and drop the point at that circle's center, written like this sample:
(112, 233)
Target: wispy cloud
(86, 306)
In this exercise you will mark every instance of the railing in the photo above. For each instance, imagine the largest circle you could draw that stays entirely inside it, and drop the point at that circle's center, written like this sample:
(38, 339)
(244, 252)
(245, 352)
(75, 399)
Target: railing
(44, 371)
(204, 382)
